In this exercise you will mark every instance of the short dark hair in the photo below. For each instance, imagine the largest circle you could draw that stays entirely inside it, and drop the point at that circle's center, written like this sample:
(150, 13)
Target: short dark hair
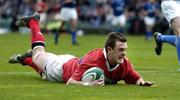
(113, 37)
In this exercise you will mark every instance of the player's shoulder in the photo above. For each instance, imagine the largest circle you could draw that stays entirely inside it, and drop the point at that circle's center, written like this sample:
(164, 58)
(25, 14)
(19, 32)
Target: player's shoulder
(96, 51)
(94, 54)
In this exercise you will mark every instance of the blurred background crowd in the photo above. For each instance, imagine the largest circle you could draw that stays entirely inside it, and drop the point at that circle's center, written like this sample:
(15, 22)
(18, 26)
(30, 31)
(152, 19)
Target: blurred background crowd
(141, 16)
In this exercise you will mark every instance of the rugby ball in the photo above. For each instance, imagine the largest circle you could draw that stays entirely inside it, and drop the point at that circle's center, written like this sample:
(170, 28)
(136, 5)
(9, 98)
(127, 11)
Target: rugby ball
(92, 74)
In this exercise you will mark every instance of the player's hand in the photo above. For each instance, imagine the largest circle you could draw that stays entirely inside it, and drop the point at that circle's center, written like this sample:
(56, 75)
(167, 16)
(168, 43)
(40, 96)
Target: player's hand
(99, 82)
(147, 83)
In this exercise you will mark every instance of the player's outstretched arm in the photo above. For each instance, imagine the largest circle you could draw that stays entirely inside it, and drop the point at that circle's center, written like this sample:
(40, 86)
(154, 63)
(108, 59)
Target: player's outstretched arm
(141, 82)
(99, 82)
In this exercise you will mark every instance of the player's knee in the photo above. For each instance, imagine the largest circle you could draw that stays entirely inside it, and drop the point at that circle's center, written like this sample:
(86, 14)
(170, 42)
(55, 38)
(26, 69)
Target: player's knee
(37, 52)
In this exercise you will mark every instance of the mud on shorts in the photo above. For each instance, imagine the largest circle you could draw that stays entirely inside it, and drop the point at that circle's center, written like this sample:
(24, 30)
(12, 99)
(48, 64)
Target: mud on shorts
(53, 68)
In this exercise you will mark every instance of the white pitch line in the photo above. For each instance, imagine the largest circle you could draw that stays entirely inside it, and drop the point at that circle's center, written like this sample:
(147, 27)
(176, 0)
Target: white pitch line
(170, 70)
(15, 73)
(22, 85)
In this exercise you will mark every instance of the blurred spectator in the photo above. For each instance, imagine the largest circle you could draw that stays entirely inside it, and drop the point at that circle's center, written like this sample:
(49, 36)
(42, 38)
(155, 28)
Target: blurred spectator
(119, 14)
(93, 14)
(26, 7)
(42, 7)
(68, 14)
(135, 19)
(10, 10)
(150, 9)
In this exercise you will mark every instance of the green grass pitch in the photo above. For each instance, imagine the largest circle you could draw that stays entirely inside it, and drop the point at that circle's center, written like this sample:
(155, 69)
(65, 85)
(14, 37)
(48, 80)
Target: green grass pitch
(22, 83)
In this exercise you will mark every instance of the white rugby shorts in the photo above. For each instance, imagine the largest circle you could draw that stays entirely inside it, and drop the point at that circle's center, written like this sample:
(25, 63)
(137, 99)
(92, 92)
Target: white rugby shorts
(52, 64)
(119, 20)
(67, 14)
(150, 21)
(170, 9)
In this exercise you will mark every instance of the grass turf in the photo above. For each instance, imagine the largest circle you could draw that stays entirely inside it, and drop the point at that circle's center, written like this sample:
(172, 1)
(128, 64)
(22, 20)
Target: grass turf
(20, 82)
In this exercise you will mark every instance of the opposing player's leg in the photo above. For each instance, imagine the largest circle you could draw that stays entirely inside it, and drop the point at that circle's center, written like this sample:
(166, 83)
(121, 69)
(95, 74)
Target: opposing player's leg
(149, 22)
(170, 39)
(159, 39)
(57, 33)
(176, 28)
(74, 31)
(170, 9)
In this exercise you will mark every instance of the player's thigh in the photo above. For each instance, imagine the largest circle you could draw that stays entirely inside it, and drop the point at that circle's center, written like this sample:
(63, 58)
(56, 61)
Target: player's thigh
(175, 24)
(73, 22)
(41, 58)
(53, 71)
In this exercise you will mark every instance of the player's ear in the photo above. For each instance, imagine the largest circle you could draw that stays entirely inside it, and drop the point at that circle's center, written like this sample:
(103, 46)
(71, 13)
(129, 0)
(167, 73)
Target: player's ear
(109, 49)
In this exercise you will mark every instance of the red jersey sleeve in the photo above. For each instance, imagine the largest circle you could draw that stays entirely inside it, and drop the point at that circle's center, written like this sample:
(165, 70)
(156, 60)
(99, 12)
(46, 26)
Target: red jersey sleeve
(132, 75)
(88, 61)
(77, 75)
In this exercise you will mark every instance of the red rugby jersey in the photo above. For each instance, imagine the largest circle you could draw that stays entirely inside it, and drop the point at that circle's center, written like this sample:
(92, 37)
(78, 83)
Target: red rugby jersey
(75, 67)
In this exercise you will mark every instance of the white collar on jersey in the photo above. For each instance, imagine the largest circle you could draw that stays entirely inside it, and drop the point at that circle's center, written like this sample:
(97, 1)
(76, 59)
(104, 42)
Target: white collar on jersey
(107, 62)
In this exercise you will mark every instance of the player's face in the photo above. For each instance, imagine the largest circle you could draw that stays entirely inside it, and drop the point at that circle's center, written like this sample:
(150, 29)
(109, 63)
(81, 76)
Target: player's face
(118, 53)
